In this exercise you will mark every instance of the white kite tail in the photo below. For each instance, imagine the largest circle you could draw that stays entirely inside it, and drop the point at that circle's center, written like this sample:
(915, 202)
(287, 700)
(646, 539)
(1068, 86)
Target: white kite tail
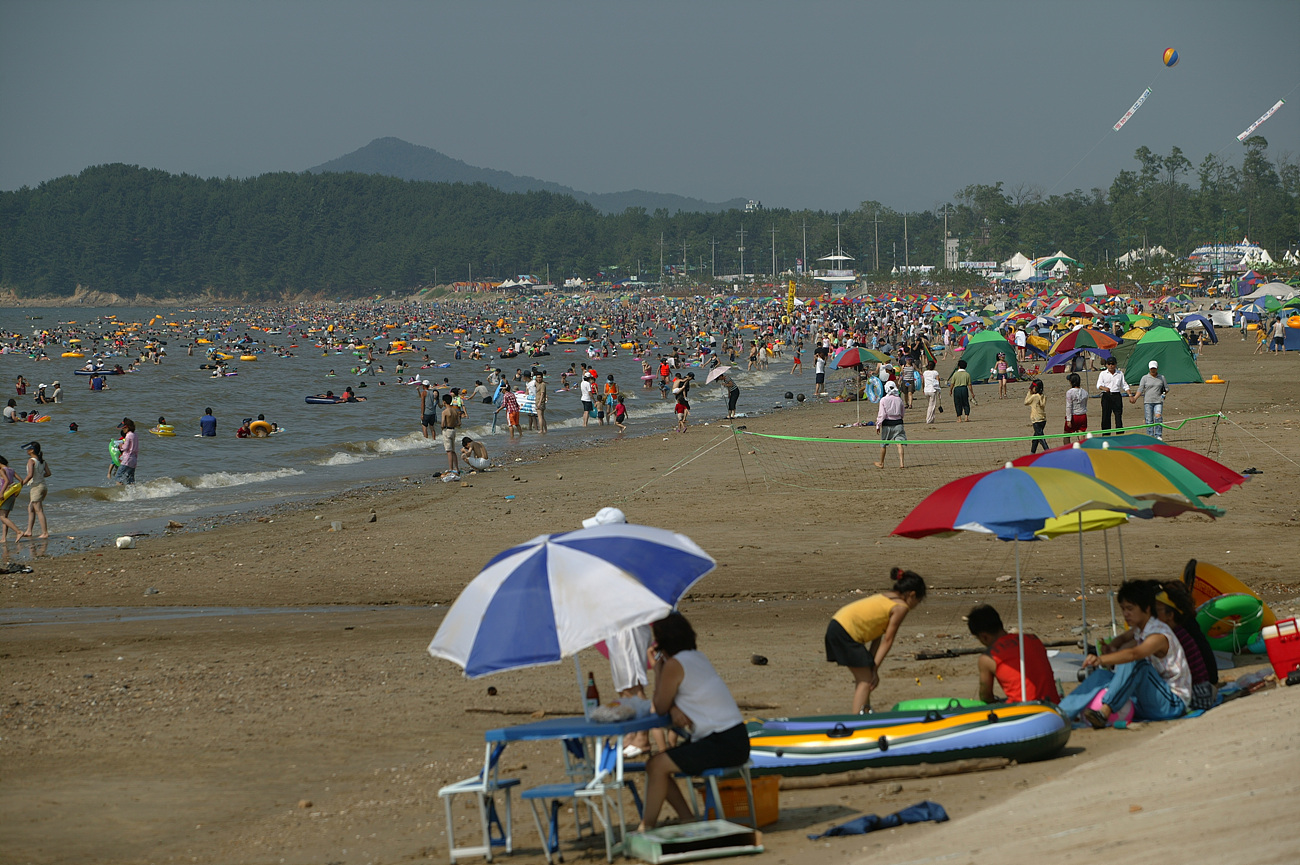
(1267, 114)
(1133, 110)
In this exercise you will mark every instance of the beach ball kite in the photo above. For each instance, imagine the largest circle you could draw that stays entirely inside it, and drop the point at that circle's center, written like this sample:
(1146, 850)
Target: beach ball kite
(1171, 57)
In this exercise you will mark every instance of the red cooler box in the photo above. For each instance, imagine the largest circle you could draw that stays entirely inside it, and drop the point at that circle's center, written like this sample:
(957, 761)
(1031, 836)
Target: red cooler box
(1283, 644)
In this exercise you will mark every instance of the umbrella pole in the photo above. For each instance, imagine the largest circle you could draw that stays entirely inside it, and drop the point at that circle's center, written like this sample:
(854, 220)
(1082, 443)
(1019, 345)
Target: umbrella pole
(1020, 623)
(582, 695)
(1083, 588)
(1110, 583)
(1123, 565)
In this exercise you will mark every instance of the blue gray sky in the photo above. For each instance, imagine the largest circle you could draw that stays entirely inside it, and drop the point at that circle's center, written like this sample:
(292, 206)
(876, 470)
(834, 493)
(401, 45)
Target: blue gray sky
(797, 104)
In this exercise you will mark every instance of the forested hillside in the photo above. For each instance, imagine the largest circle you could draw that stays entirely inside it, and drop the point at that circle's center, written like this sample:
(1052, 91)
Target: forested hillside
(130, 230)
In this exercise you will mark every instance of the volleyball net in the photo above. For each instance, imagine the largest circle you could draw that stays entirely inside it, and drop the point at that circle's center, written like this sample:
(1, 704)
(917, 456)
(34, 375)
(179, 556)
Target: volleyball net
(848, 464)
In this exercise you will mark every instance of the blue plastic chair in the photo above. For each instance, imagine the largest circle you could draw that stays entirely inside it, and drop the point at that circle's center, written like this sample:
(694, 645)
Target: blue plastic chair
(713, 798)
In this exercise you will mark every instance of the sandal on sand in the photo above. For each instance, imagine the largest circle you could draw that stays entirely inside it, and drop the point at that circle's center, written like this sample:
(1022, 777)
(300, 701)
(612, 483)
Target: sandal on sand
(1095, 718)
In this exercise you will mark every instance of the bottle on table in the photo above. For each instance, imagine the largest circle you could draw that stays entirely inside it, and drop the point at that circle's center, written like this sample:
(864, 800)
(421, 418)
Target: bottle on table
(593, 695)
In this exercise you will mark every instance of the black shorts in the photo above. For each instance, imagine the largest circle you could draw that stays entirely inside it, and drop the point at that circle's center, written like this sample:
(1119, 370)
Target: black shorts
(821, 378)
(721, 750)
(844, 650)
(430, 420)
(587, 406)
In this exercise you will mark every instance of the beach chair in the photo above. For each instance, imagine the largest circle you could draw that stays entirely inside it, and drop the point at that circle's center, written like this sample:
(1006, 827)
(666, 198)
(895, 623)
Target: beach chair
(712, 797)
(484, 786)
(605, 785)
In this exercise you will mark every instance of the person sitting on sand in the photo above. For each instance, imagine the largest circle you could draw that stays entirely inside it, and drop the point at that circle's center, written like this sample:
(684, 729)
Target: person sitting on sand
(1176, 609)
(688, 688)
(1150, 667)
(475, 454)
(861, 634)
(1002, 660)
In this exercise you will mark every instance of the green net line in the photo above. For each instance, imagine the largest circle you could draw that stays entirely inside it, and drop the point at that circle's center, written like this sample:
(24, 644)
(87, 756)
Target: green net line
(837, 465)
(1140, 428)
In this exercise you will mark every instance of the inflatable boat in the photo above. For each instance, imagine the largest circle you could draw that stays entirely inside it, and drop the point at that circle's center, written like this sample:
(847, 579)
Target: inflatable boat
(840, 743)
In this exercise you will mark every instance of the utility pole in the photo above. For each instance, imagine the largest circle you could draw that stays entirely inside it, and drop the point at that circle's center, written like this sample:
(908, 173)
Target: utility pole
(686, 265)
(660, 280)
(742, 251)
(875, 218)
(907, 259)
(713, 260)
(945, 237)
(774, 252)
(805, 245)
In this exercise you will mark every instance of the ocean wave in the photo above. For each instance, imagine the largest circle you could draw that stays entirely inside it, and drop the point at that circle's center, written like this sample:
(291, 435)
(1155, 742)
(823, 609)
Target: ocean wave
(165, 487)
(340, 459)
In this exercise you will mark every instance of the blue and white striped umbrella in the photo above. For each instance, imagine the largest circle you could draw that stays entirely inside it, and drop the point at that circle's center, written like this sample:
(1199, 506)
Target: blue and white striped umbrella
(556, 595)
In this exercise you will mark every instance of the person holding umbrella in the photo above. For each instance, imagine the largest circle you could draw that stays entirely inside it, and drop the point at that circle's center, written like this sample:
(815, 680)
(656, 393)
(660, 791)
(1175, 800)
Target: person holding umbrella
(688, 688)
(733, 391)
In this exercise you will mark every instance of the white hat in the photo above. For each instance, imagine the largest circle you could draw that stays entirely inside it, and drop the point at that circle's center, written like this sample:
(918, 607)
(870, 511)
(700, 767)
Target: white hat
(425, 382)
(605, 517)
(1152, 365)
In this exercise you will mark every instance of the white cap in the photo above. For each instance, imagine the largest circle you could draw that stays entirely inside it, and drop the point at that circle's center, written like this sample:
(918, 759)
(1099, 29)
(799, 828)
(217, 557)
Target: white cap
(425, 382)
(605, 517)
(1152, 365)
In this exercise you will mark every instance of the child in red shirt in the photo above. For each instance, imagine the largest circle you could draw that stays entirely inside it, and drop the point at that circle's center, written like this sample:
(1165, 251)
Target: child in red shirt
(1002, 661)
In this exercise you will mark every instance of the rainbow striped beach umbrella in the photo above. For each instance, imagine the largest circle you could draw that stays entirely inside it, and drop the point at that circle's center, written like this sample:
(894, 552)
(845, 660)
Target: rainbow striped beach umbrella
(1014, 504)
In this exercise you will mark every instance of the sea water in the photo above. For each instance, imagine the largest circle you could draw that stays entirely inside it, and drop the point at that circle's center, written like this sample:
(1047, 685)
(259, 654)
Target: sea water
(325, 449)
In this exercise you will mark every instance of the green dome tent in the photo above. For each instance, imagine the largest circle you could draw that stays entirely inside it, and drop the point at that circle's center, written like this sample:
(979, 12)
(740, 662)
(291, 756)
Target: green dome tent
(982, 352)
(1165, 346)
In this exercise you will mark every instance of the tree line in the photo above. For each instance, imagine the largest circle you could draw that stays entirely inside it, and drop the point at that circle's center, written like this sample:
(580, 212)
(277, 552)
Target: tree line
(131, 230)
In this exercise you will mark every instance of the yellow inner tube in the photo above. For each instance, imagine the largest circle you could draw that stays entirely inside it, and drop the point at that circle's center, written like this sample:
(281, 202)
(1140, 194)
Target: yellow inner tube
(164, 430)
(74, 354)
(260, 428)
(248, 357)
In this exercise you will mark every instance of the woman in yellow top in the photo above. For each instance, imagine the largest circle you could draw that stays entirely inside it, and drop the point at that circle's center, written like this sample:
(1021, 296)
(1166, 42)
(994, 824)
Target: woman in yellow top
(861, 634)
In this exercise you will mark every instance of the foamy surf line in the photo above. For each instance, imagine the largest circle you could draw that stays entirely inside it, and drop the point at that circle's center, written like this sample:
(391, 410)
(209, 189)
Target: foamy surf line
(165, 487)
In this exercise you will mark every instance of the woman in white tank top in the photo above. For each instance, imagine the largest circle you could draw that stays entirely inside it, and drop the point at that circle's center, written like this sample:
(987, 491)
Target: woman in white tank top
(688, 688)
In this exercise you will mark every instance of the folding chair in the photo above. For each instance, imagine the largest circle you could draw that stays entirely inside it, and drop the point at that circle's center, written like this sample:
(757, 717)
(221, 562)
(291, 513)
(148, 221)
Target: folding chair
(596, 791)
(484, 786)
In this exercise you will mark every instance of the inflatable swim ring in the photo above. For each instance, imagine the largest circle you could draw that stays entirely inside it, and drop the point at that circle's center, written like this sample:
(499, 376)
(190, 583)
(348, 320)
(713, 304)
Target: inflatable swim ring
(260, 428)
(875, 389)
(74, 354)
(42, 419)
(1231, 621)
(1213, 581)
(12, 490)
(115, 451)
(248, 357)
(163, 430)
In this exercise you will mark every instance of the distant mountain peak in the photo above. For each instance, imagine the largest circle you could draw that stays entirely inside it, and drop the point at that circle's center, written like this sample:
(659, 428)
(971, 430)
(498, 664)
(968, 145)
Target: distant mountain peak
(394, 157)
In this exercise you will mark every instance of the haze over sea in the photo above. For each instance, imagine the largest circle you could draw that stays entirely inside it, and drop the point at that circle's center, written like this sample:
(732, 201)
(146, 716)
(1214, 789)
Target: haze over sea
(325, 449)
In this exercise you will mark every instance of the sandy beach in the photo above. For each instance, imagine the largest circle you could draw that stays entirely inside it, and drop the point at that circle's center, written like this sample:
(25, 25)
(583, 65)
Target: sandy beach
(281, 730)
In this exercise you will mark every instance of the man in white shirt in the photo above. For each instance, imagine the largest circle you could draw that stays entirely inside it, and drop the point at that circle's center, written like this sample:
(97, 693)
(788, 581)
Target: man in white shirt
(1113, 389)
(1020, 343)
(584, 393)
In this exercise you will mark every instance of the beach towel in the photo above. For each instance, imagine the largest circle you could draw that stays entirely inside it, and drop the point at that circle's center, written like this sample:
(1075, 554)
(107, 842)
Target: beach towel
(921, 812)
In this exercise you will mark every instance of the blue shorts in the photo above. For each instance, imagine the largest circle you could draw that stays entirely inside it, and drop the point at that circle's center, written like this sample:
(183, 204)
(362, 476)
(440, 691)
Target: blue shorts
(125, 474)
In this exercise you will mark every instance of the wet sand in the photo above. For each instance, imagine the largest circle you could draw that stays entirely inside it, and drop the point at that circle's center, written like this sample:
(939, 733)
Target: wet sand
(324, 736)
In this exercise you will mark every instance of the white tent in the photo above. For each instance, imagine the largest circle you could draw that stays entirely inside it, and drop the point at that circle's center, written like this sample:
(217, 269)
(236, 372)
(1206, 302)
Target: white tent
(1060, 267)
(1280, 290)
(1135, 255)
(1025, 272)
(1016, 262)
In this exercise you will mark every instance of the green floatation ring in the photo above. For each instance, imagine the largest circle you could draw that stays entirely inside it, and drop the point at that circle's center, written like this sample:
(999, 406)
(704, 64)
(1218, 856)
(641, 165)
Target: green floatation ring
(1231, 621)
(115, 451)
